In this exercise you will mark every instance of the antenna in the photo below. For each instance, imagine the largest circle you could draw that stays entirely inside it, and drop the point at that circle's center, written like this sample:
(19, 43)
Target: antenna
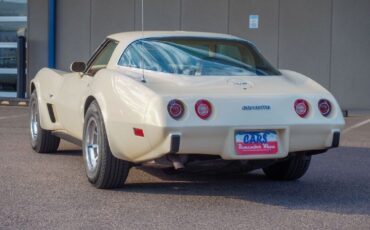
(142, 47)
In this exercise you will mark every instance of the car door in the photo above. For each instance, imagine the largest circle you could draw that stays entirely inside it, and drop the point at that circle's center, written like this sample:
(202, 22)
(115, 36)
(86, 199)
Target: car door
(76, 88)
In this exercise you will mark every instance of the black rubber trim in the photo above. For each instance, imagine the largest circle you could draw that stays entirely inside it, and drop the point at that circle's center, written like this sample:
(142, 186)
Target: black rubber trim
(316, 152)
(67, 137)
(336, 140)
(51, 112)
(175, 143)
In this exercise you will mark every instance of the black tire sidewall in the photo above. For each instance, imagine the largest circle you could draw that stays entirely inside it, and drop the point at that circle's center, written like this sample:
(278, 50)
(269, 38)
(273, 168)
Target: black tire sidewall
(94, 112)
(292, 168)
(36, 144)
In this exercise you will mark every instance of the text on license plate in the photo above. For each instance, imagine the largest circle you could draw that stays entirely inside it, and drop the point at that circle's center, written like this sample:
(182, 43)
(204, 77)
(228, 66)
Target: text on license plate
(256, 142)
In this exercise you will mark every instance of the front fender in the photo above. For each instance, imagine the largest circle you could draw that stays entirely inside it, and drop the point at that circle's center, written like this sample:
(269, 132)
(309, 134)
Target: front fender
(47, 83)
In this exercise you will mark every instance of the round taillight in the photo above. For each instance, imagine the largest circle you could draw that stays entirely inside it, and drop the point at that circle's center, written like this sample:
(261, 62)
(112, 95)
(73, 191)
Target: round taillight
(301, 107)
(176, 109)
(325, 107)
(203, 108)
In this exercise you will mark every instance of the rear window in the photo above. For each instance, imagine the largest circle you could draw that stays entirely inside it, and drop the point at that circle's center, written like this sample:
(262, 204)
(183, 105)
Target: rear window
(197, 57)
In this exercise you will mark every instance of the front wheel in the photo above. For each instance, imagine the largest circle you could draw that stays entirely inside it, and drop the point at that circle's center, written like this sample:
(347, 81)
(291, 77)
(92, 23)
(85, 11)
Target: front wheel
(102, 168)
(42, 141)
(292, 168)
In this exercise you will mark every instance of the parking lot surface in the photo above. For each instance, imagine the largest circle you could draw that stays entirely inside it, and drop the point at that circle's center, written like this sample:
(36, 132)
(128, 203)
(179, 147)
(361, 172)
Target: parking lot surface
(50, 191)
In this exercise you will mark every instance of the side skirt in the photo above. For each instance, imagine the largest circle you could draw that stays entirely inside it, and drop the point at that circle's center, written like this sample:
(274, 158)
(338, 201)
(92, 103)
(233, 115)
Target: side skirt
(67, 137)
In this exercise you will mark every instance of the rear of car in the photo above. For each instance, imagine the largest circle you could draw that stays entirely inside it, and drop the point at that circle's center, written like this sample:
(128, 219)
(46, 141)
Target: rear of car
(221, 97)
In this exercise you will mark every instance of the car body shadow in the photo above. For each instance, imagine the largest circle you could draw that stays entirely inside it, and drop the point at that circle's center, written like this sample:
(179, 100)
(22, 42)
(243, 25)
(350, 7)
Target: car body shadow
(338, 186)
(304, 194)
(324, 188)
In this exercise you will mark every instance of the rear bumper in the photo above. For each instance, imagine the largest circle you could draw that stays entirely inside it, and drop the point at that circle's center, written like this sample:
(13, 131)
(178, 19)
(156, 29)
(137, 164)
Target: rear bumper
(176, 141)
(220, 141)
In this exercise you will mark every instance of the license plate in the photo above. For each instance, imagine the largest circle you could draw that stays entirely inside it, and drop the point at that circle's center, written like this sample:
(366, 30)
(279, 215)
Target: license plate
(256, 142)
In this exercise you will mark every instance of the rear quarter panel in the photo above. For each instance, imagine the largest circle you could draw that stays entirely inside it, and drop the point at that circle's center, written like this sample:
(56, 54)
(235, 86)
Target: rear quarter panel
(123, 102)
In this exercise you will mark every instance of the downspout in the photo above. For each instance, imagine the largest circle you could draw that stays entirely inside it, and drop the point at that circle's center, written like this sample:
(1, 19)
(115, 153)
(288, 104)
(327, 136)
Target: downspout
(51, 33)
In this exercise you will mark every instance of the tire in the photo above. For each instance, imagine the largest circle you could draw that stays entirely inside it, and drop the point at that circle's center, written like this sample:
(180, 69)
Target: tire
(291, 169)
(42, 141)
(172, 171)
(103, 170)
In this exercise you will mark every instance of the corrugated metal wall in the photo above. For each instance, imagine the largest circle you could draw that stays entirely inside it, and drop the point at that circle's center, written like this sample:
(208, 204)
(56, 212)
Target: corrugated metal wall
(328, 40)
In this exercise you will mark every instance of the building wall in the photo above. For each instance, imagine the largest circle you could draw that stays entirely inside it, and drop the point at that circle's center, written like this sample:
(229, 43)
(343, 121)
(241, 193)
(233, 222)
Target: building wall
(305, 38)
(328, 40)
(266, 37)
(350, 62)
(73, 36)
(37, 36)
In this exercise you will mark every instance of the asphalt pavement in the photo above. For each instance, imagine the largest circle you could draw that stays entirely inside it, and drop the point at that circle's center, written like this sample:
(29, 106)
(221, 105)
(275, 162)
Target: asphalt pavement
(50, 191)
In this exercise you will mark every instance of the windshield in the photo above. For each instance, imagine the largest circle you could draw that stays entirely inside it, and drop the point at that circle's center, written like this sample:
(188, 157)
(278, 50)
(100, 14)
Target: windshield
(197, 57)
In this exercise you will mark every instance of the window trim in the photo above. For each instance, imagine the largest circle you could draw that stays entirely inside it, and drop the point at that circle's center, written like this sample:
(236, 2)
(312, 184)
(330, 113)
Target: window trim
(97, 53)
(242, 41)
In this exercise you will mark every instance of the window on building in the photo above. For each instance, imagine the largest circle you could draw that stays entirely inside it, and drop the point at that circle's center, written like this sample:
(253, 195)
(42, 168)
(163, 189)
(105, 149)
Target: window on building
(13, 15)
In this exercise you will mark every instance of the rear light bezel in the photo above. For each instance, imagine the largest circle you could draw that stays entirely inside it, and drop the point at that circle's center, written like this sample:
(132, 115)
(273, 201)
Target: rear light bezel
(203, 102)
(329, 107)
(302, 102)
(181, 106)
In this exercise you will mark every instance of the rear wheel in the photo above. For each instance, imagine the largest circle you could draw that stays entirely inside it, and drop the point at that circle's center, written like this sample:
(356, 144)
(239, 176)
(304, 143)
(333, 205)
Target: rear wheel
(42, 141)
(292, 168)
(102, 168)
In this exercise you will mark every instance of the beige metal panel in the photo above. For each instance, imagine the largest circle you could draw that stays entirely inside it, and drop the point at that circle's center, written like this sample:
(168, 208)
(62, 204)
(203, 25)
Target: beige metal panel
(305, 38)
(204, 15)
(350, 53)
(72, 32)
(110, 16)
(266, 36)
(37, 36)
(158, 14)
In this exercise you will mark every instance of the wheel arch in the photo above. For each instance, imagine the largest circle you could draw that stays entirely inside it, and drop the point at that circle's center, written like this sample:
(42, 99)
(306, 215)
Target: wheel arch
(88, 102)
(45, 122)
(32, 87)
(102, 107)
(101, 103)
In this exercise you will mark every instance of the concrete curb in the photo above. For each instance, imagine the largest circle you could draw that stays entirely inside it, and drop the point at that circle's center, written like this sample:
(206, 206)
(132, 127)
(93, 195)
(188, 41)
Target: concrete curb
(13, 102)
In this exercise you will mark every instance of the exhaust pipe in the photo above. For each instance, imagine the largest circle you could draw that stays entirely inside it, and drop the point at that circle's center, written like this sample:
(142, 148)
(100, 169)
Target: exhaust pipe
(177, 161)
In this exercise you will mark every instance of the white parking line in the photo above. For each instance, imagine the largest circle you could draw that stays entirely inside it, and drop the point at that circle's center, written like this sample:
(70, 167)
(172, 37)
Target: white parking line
(14, 116)
(356, 126)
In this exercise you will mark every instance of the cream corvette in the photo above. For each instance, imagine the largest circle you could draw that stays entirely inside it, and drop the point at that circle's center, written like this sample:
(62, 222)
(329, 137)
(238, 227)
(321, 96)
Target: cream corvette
(176, 99)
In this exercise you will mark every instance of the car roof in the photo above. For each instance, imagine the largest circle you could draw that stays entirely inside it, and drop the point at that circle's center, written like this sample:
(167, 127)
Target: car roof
(129, 37)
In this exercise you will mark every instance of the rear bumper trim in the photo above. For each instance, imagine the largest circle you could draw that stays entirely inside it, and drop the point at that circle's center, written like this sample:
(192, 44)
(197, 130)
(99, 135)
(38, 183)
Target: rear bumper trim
(336, 140)
(175, 143)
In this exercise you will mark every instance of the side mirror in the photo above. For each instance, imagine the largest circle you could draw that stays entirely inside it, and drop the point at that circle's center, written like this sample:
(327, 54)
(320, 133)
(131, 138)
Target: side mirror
(78, 67)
